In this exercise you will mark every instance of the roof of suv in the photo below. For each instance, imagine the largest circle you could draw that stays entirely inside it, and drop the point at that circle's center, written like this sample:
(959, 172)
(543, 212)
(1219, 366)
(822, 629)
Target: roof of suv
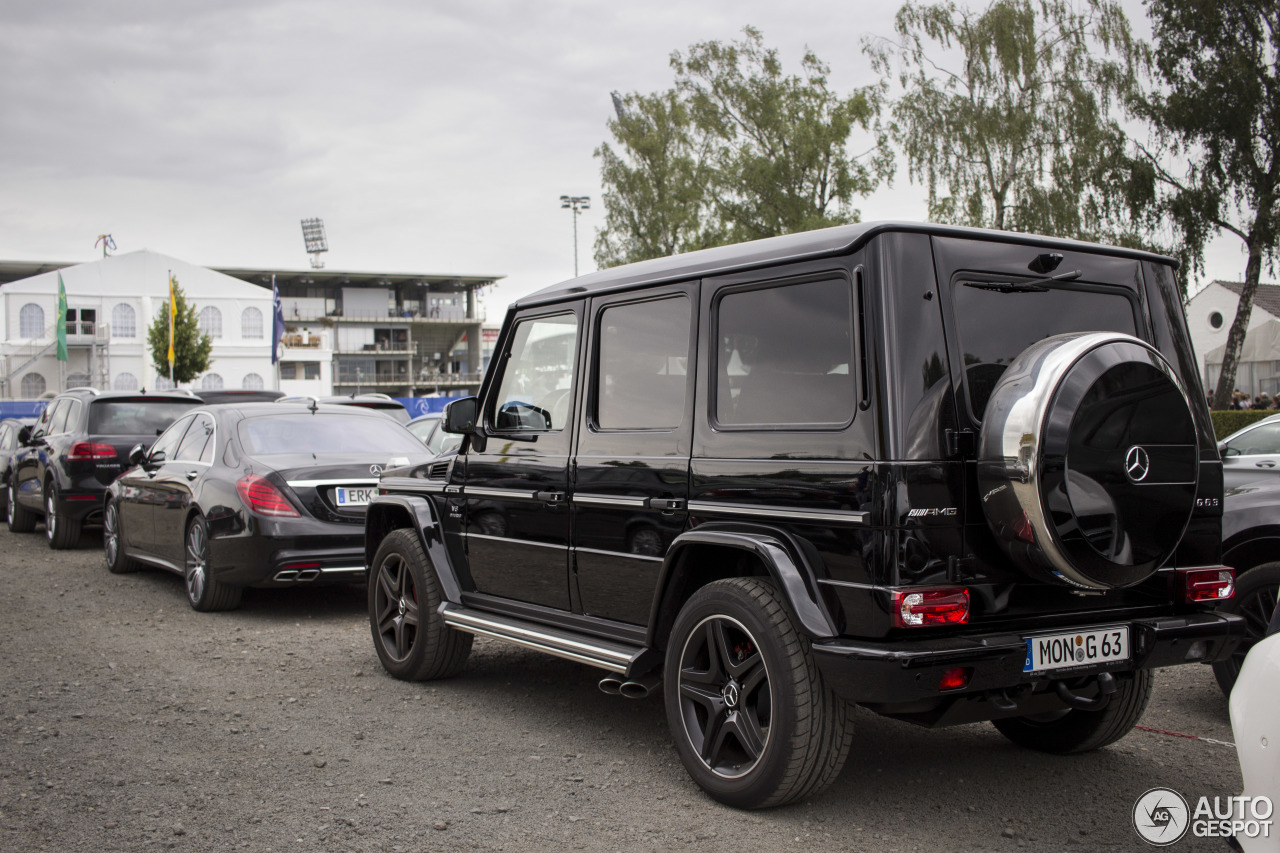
(95, 394)
(825, 242)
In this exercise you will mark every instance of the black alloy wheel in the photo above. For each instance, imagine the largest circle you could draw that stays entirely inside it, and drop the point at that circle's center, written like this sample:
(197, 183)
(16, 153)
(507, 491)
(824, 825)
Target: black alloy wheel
(113, 541)
(62, 531)
(753, 721)
(204, 593)
(409, 634)
(1257, 591)
(21, 519)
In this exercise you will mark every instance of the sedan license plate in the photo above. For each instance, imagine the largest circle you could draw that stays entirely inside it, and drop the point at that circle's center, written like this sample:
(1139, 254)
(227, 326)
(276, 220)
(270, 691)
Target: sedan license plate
(343, 496)
(1076, 648)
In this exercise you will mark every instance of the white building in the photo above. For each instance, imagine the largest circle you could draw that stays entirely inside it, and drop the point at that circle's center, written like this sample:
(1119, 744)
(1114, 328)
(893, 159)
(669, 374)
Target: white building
(1209, 316)
(110, 305)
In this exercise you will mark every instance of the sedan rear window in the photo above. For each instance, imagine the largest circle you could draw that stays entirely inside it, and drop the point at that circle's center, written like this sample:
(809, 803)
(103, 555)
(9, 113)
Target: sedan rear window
(135, 416)
(327, 432)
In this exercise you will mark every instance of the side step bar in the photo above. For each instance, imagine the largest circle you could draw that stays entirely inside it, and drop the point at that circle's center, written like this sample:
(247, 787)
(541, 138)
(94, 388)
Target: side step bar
(593, 651)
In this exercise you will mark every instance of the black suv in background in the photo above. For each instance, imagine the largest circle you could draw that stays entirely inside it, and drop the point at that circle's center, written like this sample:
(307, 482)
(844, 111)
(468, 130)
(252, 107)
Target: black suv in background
(78, 446)
(946, 474)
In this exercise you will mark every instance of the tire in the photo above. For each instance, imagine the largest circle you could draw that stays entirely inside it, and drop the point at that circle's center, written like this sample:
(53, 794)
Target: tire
(113, 541)
(1081, 731)
(409, 634)
(204, 593)
(1088, 460)
(764, 729)
(21, 519)
(1255, 600)
(62, 532)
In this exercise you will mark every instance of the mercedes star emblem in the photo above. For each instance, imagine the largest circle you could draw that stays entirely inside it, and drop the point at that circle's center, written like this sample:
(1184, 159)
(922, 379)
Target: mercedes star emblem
(1136, 464)
(375, 470)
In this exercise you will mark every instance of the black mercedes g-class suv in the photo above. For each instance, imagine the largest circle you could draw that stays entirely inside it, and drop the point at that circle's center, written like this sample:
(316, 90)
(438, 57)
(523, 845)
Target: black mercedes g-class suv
(946, 474)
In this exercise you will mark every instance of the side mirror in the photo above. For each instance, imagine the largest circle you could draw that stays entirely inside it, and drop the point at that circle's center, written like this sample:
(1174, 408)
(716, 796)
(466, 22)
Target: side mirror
(24, 435)
(460, 416)
(137, 454)
(153, 460)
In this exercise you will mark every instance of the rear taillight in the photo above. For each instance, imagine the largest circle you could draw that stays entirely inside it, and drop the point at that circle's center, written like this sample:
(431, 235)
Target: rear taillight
(918, 608)
(1216, 583)
(262, 497)
(84, 451)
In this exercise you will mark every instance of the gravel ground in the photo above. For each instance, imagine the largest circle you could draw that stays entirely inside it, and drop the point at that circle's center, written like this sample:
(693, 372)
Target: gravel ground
(130, 722)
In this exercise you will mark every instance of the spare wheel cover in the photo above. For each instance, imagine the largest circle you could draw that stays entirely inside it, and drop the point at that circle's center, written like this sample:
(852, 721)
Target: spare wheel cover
(1088, 460)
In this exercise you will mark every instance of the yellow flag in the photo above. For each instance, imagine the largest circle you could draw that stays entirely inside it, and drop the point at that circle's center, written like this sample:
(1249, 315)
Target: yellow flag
(173, 312)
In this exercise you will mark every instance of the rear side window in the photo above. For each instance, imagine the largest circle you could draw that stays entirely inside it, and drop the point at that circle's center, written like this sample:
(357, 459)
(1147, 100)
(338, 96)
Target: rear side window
(274, 435)
(134, 416)
(995, 323)
(198, 441)
(644, 365)
(785, 356)
(58, 422)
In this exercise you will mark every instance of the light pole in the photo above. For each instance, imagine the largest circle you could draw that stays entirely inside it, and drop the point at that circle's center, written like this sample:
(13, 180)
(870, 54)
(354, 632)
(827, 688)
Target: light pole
(576, 203)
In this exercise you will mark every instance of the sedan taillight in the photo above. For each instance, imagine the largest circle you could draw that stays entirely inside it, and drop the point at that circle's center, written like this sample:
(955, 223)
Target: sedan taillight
(262, 497)
(84, 451)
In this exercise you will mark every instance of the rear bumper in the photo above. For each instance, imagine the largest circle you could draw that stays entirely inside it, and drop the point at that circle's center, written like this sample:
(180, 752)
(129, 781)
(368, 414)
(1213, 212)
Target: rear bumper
(308, 552)
(902, 677)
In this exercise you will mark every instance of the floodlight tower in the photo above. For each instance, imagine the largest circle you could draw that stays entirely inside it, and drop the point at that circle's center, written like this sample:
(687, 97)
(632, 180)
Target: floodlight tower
(313, 237)
(576, 203)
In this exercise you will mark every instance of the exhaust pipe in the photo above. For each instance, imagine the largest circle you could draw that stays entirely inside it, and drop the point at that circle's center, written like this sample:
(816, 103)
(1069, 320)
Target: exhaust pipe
(611, 684)
(286, 575)
(639, 688)
(308, 575)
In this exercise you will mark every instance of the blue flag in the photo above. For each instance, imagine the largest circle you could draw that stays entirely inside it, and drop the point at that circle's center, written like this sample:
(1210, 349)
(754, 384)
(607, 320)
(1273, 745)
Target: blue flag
(277, 321)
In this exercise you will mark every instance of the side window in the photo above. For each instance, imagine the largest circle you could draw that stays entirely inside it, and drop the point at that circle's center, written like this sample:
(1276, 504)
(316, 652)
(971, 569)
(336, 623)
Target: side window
(168, 441)
(785, 355)
(46, 415)
(58, 423)
(643, 365)
(6, 437)
(74, 413)
(1263, 440)
(537, 382)
(199, 434)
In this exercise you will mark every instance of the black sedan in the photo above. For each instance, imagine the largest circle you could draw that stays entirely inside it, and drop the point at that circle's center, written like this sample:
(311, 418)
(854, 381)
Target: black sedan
(9, 447)
(268, 494)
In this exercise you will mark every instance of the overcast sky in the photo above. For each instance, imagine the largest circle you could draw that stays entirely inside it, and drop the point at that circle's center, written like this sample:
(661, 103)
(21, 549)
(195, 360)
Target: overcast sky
(431, 137)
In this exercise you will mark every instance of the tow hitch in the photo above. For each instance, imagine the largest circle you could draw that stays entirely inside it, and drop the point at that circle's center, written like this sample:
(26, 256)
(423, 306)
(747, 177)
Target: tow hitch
(1106, 687)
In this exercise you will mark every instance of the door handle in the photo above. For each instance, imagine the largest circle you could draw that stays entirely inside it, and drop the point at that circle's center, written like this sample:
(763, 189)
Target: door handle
(553, 498)
(191, 475)
(666, 504)
(1265, 464)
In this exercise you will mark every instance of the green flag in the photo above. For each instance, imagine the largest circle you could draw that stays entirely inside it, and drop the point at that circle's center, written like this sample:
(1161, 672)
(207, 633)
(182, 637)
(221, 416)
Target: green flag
(62, 320)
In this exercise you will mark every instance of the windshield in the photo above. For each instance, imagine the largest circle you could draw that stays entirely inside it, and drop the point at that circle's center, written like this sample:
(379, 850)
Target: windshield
(324, 432)
(135, 416)
(996, 325)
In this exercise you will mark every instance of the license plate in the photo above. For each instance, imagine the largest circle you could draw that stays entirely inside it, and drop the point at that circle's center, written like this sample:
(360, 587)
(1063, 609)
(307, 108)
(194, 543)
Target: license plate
(343, 496)
(1076, 648)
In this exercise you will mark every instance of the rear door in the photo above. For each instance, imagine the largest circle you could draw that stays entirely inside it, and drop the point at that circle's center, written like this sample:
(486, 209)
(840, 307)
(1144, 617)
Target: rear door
(174, 483)
(516, 490)
(634, 437)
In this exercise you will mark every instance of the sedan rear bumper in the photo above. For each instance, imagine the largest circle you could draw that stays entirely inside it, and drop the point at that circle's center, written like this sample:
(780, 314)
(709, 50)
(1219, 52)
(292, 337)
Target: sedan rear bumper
(287, 553)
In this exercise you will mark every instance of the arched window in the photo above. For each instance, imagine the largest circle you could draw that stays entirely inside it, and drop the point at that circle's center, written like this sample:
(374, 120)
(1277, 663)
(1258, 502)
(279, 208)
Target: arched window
(211, 322)
(164, 383)
(32, 386)
(79, 380)
(124, 323)
(251, 324)
(126, 381)
(31, 323)
(252, 382)
(211, 382)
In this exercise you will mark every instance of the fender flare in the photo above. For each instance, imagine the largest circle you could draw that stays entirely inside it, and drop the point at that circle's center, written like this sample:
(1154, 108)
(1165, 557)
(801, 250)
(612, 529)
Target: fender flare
(420, 513)
(784, 565)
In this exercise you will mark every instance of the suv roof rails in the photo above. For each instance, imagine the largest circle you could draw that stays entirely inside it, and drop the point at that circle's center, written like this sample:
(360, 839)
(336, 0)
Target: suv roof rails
(377, 394)
(94, 391)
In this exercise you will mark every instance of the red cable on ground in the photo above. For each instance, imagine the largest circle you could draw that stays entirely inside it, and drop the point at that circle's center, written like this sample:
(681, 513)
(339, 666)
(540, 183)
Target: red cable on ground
(1184, 735)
